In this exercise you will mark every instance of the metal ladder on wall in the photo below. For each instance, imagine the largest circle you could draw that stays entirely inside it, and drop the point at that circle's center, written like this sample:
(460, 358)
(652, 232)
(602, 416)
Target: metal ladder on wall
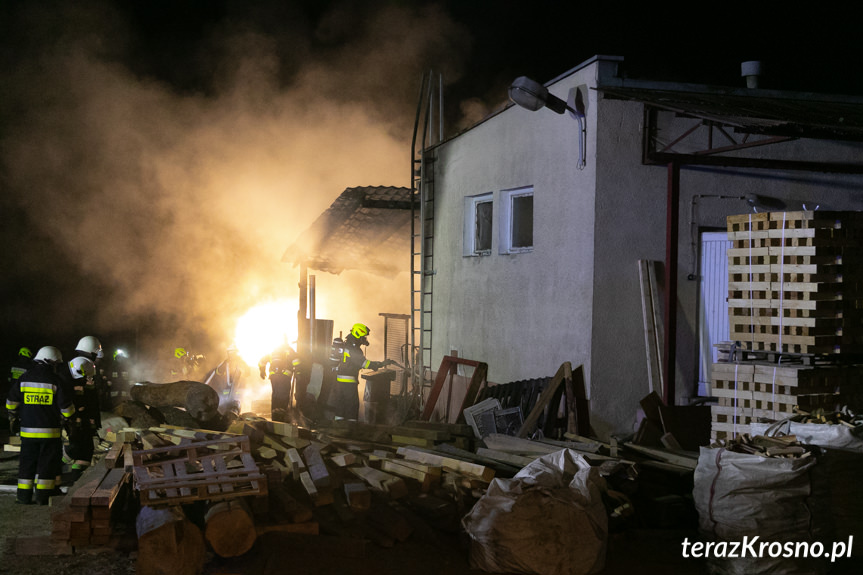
(422, 232)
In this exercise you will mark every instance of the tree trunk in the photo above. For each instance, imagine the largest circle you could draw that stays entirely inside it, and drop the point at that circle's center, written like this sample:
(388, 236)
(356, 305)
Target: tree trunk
(229, 528)
(168, 543)
(200, 400)
(138, 415)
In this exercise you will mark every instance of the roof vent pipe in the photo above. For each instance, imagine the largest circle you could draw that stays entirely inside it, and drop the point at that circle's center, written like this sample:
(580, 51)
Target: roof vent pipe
(751, 70)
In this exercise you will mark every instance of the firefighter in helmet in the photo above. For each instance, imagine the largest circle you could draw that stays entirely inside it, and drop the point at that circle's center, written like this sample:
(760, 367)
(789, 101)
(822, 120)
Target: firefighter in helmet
(38, 402)
(352, 360)
(279, 367)
(87, 419)
(22, 362)
(186, 363)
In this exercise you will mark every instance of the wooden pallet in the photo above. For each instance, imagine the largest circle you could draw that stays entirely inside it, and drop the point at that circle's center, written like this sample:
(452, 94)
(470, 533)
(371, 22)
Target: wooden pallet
(201, 470)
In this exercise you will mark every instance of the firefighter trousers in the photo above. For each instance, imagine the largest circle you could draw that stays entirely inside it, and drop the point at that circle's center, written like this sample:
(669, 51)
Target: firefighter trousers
(40, 457)
(80, 448)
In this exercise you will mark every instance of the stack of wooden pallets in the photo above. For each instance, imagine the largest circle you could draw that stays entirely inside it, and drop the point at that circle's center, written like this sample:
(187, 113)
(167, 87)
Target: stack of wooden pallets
(795, 306)
(795, 282)
(748, 392)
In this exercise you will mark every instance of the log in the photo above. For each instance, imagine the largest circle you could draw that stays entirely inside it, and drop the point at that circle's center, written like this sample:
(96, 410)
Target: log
(199, 399)
(138, 415)
(229, 528)
(179, 417)
(168, 543)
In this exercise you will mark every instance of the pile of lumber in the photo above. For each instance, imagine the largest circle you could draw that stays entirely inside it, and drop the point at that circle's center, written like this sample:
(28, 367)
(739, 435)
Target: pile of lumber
(794, 281)
(94, 509)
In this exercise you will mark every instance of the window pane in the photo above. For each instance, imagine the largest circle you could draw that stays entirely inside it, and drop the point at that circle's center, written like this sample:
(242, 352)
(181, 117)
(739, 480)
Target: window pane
(482, 241)
(522, 221)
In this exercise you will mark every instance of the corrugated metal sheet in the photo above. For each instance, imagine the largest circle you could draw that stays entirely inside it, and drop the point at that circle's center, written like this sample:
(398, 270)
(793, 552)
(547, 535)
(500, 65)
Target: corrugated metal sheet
(713, 312)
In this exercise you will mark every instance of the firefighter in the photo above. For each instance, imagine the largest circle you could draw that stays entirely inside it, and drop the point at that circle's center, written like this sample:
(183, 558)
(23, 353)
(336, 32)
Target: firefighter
(279, 367)
(186, 363)
(23, 361)
(84, 424)
(90, 347)
(347, 404)
(225, 378)
(39, 404)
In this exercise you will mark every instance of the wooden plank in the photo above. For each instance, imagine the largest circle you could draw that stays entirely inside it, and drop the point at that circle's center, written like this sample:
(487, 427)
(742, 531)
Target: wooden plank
(411, 440)
(445, 372)
(517, 445)
(381, 481)
(128, 459)
(582, 404)
(665, 455)
(431, 434)
(545, 397)
(463, 467)
(317, 468)
(653, 324)
(113, 454)
(109, 488)
(86, 485)
(426, 479)
(343, 459)
(477, 381)
(282, 429)
(358, 496)
(452, 428)
(296, 462)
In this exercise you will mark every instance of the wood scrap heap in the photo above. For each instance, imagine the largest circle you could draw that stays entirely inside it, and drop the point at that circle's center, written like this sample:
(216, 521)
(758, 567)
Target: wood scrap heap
(785, 446)
(178, 494)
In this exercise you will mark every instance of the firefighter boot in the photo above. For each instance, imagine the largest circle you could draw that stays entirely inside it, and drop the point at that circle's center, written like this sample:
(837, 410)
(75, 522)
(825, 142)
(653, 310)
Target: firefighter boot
(24, 495)
(42, 496)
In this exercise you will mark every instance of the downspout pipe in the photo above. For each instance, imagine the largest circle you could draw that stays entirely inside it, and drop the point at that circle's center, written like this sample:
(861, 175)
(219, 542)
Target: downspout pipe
(671, 255)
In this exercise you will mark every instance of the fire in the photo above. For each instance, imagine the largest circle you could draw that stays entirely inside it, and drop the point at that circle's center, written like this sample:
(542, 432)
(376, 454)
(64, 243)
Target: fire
(264, 328)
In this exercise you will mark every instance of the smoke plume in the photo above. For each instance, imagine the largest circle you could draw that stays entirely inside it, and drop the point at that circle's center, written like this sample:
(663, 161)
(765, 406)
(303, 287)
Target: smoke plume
(146, 194)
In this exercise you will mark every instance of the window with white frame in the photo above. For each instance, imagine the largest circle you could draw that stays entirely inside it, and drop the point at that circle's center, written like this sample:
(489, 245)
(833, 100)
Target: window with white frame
(478, 218)
(516, 221)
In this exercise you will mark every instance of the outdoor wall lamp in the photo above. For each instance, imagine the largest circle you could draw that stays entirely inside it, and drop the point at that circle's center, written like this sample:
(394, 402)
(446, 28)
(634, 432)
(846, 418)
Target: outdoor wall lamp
(532, 95)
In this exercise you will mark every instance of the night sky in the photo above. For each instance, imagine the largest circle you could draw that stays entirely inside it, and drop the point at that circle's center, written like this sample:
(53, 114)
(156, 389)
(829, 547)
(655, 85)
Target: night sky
(157, 157)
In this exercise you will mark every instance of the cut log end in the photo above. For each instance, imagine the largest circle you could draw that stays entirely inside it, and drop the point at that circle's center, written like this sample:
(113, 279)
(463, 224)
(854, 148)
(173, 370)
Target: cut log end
(230, 528)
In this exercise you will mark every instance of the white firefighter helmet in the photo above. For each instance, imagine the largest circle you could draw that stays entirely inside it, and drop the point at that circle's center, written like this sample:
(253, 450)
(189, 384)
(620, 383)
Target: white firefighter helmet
(82, 367)
(89, 344)
(48, 354)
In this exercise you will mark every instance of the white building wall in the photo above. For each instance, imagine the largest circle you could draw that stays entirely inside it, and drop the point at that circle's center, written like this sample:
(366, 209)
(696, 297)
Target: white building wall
(524, 314)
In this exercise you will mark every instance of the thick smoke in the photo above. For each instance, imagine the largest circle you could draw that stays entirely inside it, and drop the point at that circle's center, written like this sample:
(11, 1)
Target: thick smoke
(140, 201)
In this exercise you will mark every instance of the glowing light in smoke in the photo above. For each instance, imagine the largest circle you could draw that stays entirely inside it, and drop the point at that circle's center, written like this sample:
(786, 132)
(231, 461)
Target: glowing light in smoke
(264, 328)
